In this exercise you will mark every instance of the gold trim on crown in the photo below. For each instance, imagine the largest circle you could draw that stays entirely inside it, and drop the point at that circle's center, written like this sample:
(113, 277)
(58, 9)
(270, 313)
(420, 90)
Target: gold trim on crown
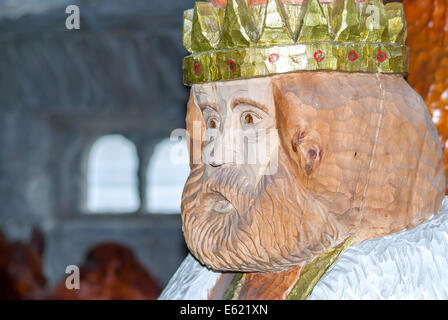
(244, 41)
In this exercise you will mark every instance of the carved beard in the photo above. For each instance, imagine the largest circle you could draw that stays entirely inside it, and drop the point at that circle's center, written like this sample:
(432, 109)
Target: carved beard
(270, 226)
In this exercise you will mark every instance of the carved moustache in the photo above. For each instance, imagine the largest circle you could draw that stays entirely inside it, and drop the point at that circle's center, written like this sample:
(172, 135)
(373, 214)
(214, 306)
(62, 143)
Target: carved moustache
(231, 189)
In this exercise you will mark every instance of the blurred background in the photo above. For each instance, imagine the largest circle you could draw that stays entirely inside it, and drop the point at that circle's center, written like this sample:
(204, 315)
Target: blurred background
(88, 173)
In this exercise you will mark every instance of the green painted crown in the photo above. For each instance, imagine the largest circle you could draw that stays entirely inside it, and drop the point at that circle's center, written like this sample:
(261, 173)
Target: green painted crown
(243, 41)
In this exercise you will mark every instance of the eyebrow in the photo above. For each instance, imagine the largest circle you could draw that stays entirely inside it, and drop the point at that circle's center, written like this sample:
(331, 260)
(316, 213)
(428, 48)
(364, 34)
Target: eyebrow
(239, 101)
(208, 105)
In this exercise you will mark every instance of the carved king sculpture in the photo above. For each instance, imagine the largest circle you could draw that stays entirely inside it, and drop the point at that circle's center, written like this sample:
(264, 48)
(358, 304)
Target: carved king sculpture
(305, 141)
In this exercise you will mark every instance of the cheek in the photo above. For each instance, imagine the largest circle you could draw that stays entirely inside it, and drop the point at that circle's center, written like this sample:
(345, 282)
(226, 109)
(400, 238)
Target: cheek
(286, 146)
(208, 152)
(196, 131)
(264, 153)
(268, 147)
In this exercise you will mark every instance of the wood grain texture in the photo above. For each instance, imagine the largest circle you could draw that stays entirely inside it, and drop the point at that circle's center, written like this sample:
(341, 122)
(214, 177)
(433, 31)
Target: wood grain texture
(221, 287)
(269, 286)
(382, 169)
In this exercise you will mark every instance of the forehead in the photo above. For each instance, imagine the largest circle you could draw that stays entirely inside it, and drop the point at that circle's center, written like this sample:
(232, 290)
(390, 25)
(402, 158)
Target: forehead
(258, 89)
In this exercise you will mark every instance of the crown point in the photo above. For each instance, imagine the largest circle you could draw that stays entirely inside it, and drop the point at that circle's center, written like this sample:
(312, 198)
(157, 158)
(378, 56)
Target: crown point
(275, 28)
(207, 20)
(238, 26)
(314, 23)
(187, 26)
(345, 21)
(293, 9)
(373, 21)
(396, 26)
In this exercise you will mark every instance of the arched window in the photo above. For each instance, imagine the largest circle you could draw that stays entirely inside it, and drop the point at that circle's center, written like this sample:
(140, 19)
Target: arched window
(167, 172)
(112, 182)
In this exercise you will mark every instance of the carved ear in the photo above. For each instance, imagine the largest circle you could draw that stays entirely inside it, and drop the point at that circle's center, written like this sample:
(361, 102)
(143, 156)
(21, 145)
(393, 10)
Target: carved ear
(303, 144)
(308, 146)
(196, 131)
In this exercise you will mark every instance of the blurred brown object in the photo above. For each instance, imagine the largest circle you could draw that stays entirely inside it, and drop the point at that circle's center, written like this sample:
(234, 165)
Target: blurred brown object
(21, 275)
(110, 272)
(428, 39)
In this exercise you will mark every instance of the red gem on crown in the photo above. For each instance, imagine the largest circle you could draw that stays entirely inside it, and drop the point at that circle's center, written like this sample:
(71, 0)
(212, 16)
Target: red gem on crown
(381, 56)
(319, 56)
(197, 68)
(231, 64)
(273, 58)
(353, 55)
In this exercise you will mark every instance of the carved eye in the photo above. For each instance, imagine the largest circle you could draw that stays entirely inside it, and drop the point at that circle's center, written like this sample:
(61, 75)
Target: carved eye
(212, 123)
(249, 119)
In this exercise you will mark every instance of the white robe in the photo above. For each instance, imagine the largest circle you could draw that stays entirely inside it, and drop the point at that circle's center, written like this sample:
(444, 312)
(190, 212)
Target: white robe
(412, 264)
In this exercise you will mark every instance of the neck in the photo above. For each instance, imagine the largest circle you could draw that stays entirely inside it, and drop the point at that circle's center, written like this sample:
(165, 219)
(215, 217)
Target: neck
(294, 283)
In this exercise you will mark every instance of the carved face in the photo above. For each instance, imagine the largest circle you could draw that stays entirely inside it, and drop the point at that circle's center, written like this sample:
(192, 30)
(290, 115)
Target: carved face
(285, 167)
(240, 128)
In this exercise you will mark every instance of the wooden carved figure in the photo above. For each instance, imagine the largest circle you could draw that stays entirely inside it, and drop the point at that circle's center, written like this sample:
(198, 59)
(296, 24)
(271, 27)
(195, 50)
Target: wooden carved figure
(305, 141)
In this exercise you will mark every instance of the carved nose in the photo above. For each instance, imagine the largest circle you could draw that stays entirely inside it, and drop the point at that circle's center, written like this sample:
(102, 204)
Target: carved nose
(222, 150)
(215, 162)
